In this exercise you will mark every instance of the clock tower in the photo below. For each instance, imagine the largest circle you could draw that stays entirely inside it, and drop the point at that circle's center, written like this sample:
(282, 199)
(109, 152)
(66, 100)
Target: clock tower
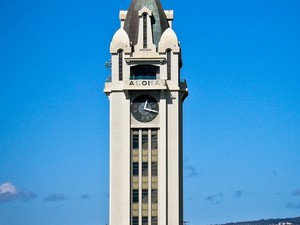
(146, 96)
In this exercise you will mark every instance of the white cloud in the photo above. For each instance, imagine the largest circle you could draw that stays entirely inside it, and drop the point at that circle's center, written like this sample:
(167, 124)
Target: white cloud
(8, 193)
(8, 188)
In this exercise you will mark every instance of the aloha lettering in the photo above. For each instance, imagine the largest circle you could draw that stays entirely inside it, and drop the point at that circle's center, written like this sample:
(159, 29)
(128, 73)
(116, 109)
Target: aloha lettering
(144, 83)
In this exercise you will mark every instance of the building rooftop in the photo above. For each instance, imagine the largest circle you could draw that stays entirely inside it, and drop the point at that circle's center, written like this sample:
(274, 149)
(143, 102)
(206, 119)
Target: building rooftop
(159, 19)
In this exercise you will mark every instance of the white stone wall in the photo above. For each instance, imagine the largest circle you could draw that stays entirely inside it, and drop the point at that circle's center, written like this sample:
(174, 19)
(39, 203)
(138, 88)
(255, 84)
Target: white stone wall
(170, 94)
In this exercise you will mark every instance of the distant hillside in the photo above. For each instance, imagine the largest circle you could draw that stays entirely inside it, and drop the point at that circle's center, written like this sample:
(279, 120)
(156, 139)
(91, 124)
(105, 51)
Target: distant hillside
(285, 221)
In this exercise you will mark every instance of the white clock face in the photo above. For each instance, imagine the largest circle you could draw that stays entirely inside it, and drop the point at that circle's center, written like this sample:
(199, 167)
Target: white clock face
(144, 108)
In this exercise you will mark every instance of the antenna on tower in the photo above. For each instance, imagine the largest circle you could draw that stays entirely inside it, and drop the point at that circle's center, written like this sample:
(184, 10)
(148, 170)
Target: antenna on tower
(108, 64)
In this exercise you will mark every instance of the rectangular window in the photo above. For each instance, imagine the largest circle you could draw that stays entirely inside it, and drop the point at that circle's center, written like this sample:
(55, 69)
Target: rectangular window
(145, 196)
(135, 195)
(135, 220)
(154, 220)
(154, 139)
(154, 169)
(145, 168)
(145, 139)
(135, 168)
(154, 195)
(144, 220)
(135, 139)
(143, 72)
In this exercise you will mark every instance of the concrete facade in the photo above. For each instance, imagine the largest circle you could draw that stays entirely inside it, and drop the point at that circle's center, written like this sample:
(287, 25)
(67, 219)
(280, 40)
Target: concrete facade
(146, 69)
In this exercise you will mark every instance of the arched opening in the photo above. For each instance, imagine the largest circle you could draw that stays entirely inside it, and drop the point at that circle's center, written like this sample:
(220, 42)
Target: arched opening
(120, 57)
(145, 27)
(169, 54)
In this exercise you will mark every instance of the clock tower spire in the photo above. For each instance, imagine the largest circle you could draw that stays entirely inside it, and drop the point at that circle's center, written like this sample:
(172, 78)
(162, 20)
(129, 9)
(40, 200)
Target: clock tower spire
(146, 95)
(159, 21)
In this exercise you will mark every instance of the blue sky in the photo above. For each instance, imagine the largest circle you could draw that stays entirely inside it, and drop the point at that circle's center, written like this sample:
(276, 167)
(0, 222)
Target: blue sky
(241, 118)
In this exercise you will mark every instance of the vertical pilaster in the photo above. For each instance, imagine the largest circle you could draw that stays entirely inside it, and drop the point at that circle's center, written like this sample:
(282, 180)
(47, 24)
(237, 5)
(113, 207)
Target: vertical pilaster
(119, 159)
(163, 163)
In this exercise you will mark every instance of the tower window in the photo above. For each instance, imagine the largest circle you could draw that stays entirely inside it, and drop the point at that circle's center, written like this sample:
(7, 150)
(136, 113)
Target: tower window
(135, 168)
(145, 195)
(154, 139)
(145, 168)
(135, 220)
(144, 72)
(154, 195)
(144, 220)
(135, 139)
(120, 55)
(154, 169)
(154, 220)
(145, 139)
(169, 64)
(135, 195)
(145, 30)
